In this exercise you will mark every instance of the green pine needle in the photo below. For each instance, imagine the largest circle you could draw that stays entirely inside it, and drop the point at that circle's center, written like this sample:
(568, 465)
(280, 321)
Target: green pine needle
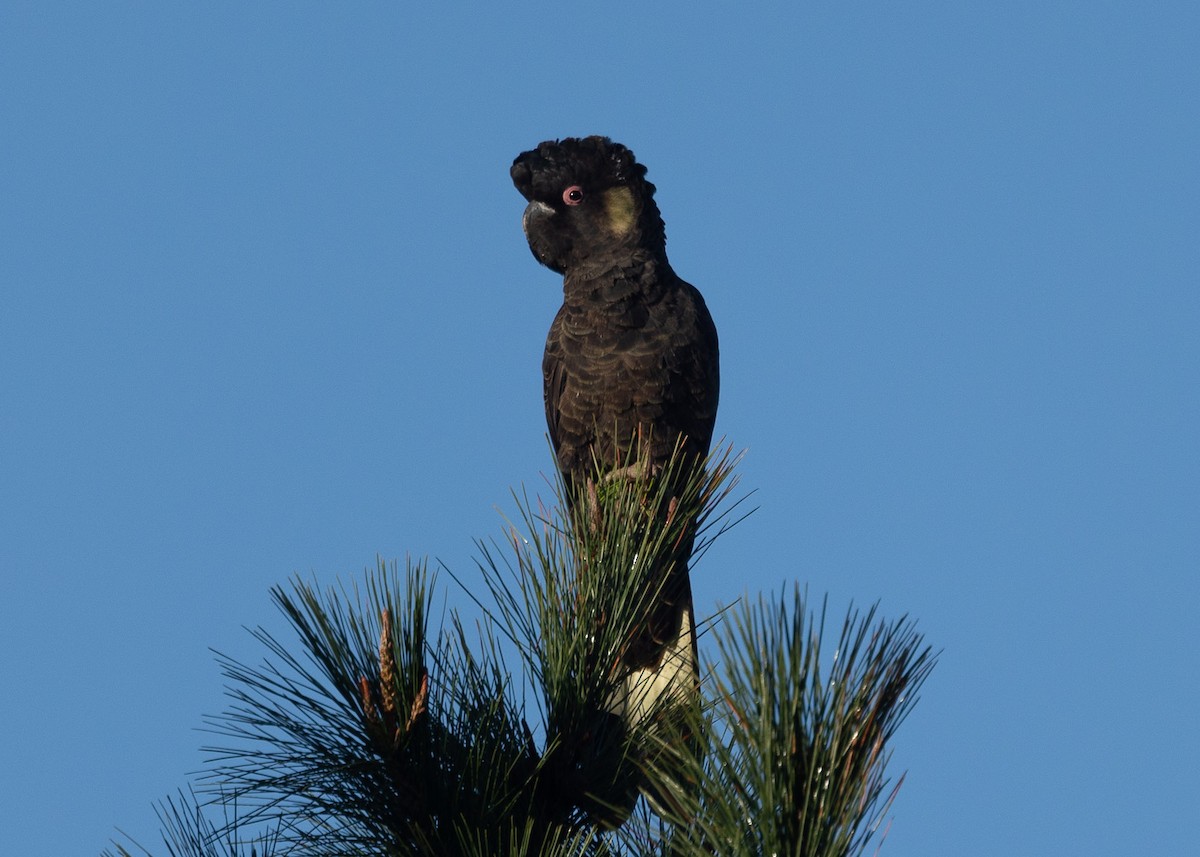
(373, 733)
(796, 740)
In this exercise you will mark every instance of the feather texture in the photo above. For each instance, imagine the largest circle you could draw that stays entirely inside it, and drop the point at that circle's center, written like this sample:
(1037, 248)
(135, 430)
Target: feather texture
(631, 360)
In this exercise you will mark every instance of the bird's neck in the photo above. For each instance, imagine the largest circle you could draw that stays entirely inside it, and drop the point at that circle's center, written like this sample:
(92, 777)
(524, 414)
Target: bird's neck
(614, 280)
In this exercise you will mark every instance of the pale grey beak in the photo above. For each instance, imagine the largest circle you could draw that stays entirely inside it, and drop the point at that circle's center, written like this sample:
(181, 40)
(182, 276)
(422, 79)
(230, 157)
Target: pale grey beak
(534, 209)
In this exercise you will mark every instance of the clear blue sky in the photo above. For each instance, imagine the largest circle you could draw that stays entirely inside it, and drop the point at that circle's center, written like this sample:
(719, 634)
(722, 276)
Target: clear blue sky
(266, 308)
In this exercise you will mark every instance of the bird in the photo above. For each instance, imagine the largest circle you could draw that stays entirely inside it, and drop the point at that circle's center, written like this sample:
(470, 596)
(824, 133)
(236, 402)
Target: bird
(631, 365)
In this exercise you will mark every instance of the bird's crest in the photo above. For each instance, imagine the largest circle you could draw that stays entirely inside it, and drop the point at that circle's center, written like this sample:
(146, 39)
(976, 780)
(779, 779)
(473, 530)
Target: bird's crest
(596, 160)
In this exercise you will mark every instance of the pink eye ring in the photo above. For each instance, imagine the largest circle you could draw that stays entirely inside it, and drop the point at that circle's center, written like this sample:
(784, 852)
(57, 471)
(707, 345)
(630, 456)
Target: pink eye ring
(573, 195)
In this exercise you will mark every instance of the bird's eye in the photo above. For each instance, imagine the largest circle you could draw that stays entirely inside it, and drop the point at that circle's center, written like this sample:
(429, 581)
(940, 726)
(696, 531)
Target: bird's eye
(573, 195)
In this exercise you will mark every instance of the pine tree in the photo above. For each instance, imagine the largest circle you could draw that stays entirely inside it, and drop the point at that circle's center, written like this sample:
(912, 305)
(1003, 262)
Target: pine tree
(374, 734)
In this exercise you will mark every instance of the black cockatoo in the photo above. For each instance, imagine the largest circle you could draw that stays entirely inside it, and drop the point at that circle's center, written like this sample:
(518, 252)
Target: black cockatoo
(631, 358)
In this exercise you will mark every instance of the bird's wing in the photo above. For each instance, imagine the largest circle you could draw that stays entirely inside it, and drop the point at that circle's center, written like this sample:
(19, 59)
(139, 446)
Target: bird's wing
(554, 381)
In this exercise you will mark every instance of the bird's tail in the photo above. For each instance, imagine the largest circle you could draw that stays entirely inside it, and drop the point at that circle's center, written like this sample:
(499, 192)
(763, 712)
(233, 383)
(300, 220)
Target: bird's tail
(657, 697)
(672, 678)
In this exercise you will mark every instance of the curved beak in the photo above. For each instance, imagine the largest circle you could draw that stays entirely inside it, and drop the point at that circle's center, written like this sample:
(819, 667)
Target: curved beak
(534, 210)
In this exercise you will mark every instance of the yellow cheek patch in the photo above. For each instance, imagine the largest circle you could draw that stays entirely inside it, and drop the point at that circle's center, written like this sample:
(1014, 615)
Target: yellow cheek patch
(619, 210)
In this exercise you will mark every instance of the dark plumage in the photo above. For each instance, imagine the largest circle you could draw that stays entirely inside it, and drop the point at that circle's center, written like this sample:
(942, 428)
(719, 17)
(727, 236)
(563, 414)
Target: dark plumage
(632, 351)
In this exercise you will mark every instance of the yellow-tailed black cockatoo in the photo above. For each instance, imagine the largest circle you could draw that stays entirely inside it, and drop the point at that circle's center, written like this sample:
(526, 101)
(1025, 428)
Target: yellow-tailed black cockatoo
(631, 354)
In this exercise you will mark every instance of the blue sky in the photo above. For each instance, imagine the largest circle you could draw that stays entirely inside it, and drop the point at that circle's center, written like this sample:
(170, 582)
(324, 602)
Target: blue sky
(266, 309)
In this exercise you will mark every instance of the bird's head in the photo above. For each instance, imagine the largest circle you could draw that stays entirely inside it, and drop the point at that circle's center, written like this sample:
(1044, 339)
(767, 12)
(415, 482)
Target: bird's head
(590, 206)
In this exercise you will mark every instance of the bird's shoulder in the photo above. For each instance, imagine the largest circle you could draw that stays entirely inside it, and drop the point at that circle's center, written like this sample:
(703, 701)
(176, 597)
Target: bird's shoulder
(630, 308)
